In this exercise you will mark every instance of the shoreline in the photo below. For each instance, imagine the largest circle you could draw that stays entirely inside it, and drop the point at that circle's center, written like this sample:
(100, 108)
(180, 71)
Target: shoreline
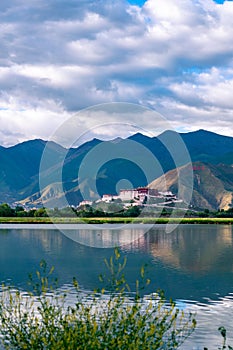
(116, 220)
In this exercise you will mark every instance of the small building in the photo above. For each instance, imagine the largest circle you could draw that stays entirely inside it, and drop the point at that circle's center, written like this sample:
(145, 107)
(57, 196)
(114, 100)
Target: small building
(142, 191)
(107, 198)
(167, 194)
(153, 192)
(85, 203)
(127, 195)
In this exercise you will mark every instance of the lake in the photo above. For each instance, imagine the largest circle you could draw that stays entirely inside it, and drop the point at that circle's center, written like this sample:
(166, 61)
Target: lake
(193, 264)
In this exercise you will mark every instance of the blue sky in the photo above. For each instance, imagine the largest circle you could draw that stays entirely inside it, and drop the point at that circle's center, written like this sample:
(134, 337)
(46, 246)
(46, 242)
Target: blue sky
(141, 2)
(136, 2)
(58, 57)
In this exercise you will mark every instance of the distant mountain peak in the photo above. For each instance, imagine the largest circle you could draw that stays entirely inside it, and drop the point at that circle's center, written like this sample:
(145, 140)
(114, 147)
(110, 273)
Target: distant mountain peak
(116, 140)
(167, 132)
(138, 135)
(203, 132)
(206, 132)
(27, 142)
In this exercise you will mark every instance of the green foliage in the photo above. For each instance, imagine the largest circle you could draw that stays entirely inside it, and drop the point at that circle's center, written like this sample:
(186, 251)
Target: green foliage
(6, 210)
(40, 212)
(225, 213)
(110, 318)
(113, 209)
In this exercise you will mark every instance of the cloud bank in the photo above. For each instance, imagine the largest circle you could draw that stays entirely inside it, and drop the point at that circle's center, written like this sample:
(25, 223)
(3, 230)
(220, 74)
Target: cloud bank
(57, 57)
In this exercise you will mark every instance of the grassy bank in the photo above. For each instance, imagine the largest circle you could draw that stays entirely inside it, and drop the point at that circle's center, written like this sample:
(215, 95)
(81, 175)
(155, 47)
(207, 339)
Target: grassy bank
(139, 220)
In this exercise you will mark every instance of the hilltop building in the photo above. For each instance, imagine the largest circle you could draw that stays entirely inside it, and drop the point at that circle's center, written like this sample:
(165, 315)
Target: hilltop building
(138, 196)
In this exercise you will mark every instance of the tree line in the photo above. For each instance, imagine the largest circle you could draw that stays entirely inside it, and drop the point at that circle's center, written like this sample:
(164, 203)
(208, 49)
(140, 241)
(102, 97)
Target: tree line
(112, 210)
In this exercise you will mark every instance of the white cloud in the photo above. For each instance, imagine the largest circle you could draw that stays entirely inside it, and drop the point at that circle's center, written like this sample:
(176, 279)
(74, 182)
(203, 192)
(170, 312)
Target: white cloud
(176, 56)
(21, 121)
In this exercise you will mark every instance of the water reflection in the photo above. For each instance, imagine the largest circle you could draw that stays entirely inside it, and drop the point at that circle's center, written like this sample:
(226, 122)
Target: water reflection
(193, 264)
(195, 249)
(209, 318)
(106, 235)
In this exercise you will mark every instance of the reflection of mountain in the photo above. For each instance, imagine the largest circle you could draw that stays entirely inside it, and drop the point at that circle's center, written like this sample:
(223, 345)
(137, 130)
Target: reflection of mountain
(195, 249)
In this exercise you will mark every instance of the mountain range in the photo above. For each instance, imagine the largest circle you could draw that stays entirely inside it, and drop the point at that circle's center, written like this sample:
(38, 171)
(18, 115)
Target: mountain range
(149, 158)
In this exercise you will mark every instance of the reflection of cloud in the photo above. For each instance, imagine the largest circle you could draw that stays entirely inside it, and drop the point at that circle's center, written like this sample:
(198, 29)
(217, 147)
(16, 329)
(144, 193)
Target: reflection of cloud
(100, 236)
(48, 245)
(57, 58)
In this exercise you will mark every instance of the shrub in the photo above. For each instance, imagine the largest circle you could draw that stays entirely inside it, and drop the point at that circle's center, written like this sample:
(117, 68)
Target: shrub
(110, 318)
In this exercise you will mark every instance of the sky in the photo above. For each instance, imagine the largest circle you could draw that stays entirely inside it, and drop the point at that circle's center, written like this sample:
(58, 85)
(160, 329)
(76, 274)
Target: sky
(58, 57)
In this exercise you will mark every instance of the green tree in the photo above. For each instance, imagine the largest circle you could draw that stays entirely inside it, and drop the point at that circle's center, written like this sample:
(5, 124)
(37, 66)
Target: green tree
(6, 210)
(133, 211)
(41, 212)
(31, 213)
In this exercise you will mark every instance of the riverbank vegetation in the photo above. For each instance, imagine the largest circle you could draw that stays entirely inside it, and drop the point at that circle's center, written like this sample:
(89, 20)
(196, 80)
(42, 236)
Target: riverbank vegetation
(113, 220)
(131, 215)
(112, 317)
(113, 214)
(113, 211)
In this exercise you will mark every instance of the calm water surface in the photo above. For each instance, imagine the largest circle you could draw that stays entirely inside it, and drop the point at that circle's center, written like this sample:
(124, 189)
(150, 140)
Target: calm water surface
(193, 264)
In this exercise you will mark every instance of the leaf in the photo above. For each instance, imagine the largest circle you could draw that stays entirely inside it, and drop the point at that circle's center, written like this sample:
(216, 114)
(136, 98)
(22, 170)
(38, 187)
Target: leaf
(142, 271)
(51, 270)
(117, 253)
(222, 331)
